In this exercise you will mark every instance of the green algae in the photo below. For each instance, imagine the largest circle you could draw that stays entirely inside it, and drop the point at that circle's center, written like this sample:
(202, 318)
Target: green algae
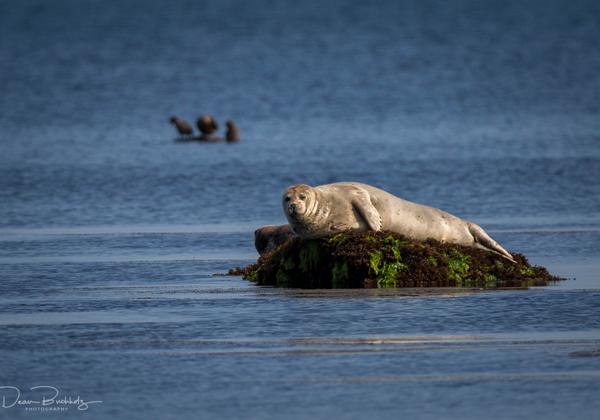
(309, 256)
(527, 271)
(458, 268)
(339, 275)
(491, 281)
(432, 261)
(385, 263)
(387, 259)
(337, 239)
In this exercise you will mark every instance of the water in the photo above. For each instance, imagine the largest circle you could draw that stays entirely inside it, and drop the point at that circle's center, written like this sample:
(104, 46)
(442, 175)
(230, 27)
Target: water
(110, 232)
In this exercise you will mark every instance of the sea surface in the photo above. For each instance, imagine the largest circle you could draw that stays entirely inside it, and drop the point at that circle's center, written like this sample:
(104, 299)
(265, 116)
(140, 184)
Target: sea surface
(111, 233)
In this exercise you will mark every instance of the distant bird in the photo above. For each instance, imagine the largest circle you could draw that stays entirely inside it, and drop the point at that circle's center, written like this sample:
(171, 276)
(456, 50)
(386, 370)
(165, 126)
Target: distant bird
(207, 126)
(233, 132)
(182, 126)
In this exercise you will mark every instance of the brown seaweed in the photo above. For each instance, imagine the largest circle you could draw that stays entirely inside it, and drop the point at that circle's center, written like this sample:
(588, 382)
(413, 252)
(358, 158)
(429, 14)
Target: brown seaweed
(386, 260)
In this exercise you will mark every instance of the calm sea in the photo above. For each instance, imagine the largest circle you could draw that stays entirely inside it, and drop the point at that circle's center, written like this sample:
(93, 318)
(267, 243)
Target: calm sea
(110, 232)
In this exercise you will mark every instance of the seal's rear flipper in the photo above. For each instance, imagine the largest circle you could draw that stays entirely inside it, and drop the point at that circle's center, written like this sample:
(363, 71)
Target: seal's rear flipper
(483, 240)
(363, 206)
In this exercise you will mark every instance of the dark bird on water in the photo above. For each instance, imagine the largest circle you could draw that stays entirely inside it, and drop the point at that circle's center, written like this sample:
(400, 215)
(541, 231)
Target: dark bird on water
(207, 126)
(233, 132)
(182, 126)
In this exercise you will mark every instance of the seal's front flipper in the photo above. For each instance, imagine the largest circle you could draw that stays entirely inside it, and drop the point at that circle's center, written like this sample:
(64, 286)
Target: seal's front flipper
(486, 242)
(363, 206)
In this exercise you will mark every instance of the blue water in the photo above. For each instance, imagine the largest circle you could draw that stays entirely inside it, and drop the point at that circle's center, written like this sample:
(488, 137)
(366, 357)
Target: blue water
(111, 233)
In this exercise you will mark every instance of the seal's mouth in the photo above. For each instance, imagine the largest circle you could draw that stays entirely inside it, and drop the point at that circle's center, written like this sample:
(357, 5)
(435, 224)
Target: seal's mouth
(295, 210)
(297, 215)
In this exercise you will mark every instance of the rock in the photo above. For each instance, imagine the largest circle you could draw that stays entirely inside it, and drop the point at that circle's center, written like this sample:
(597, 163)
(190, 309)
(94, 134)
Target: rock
(270, 237)
(387, 259)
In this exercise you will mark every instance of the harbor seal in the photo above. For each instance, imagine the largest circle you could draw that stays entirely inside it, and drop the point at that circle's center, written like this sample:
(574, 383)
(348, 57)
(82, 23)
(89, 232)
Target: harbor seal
(314, 212)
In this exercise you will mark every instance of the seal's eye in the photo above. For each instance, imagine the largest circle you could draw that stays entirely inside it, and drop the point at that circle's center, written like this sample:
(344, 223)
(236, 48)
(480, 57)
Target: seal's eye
(287, 198)
(302, 197)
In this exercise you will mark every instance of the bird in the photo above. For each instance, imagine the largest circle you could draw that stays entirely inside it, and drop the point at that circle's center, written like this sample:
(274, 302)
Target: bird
(233, 131)
(207, 126)
(182, 126)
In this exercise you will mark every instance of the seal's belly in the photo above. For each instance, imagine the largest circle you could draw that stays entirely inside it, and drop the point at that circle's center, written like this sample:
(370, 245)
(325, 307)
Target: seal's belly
(422, 222)
(347, 219)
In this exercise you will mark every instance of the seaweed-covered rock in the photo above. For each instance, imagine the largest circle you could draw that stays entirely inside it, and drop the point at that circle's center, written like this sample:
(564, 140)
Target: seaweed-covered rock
(387, 259)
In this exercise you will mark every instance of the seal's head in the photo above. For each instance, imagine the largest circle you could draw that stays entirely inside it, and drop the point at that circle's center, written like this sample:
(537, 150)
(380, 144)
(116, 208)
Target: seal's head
(298, 202)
